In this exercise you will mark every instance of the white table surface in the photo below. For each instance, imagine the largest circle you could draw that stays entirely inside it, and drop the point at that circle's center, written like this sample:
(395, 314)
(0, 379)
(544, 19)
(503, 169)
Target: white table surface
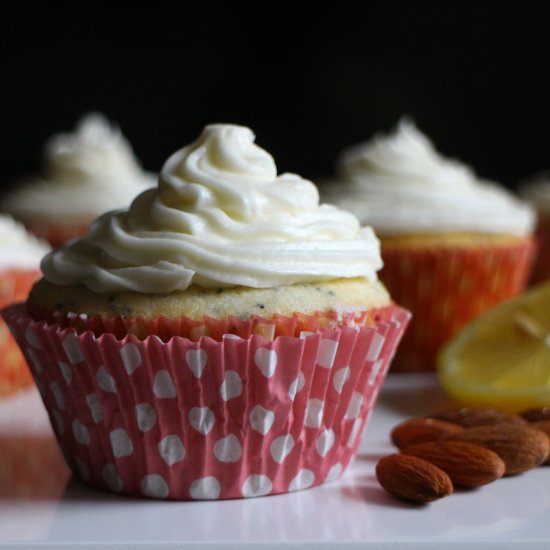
(41, 505)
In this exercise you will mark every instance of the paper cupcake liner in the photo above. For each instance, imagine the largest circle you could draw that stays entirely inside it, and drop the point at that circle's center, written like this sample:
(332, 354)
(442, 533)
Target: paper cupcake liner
(445, 289)
(165, 328)
(240, 417)
(15, 285)
(541, 271)
(57, 233)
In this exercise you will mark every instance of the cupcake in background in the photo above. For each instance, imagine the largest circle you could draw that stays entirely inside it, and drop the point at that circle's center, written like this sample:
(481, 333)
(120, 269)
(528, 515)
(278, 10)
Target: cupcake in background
(453, 245)
(224, 337)
(20, 255)
(85, 173)
(537, 192)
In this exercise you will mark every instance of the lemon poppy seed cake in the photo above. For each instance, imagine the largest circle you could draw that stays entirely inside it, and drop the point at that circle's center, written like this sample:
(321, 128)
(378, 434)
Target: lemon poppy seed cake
(218, 303)
(226, 326)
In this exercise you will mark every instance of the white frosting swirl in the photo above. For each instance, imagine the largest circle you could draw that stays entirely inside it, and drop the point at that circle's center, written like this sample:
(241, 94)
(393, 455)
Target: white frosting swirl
(86, 173)
(220, 217)
(19, 248)
(401, 184)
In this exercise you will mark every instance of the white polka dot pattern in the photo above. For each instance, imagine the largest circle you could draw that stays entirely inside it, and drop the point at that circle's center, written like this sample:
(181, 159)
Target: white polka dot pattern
(303, 480)
(327, 353)
(95, 407)
(154, 486)
(66, 372)
(228, 449)
(355, 430)
(201, 419)
(31, 339)
(163, 386)
(171, 449)
(105, 381)
(261, 419)
(324, 442)
(257, 486)
(183, 419)
(131, 357)
(281, 447)
(232, 385)
(375, 347)
(296, 386)
(121, 443)
(206, 488)
(266, 361)
(57, 395)
(72, 348)
(80, 432)
(196, 361)
(377, 365)
(355, 405)
(146, 417)
(340, 378)
(314, 413)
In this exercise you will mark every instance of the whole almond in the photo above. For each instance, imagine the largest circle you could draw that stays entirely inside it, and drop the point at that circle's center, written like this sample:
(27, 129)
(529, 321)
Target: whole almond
(466, 464)
(410, 478)
(419, 430)
(543, 426)
(483, 416)
(520, 446)
(536, 414)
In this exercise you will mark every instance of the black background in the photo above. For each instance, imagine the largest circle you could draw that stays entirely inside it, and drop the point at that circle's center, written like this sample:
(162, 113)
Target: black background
(308, 80)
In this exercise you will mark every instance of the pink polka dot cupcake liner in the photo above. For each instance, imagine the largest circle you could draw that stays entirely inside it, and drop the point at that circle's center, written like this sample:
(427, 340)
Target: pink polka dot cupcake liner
(208, 419)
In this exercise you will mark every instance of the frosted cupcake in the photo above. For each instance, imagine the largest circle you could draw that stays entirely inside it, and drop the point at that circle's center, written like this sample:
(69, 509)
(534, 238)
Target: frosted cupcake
(85, 173)
(225, 337)
(537, 193)
(20, 255)
(453, 245)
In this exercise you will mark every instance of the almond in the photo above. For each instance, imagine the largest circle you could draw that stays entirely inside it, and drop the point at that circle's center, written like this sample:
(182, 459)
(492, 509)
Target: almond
(419, 430)
(536, 414)
(543, 426)
(520, 446)
(410, 478)
(466, 464)
(482, 416)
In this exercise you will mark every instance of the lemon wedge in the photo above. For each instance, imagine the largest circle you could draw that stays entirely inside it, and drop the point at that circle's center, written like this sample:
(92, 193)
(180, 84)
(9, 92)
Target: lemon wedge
(502, 359)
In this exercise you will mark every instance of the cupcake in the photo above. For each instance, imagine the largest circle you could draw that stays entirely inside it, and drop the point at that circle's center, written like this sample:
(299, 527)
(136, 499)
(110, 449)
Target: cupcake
(20, 255)
(537, 193)
(452, 245)
(85, 173)
(224, 337)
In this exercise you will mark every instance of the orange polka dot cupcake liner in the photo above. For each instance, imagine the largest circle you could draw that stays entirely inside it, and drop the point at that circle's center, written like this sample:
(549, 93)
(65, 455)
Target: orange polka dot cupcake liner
(447, 288)
(15, 285)
(247, 414)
